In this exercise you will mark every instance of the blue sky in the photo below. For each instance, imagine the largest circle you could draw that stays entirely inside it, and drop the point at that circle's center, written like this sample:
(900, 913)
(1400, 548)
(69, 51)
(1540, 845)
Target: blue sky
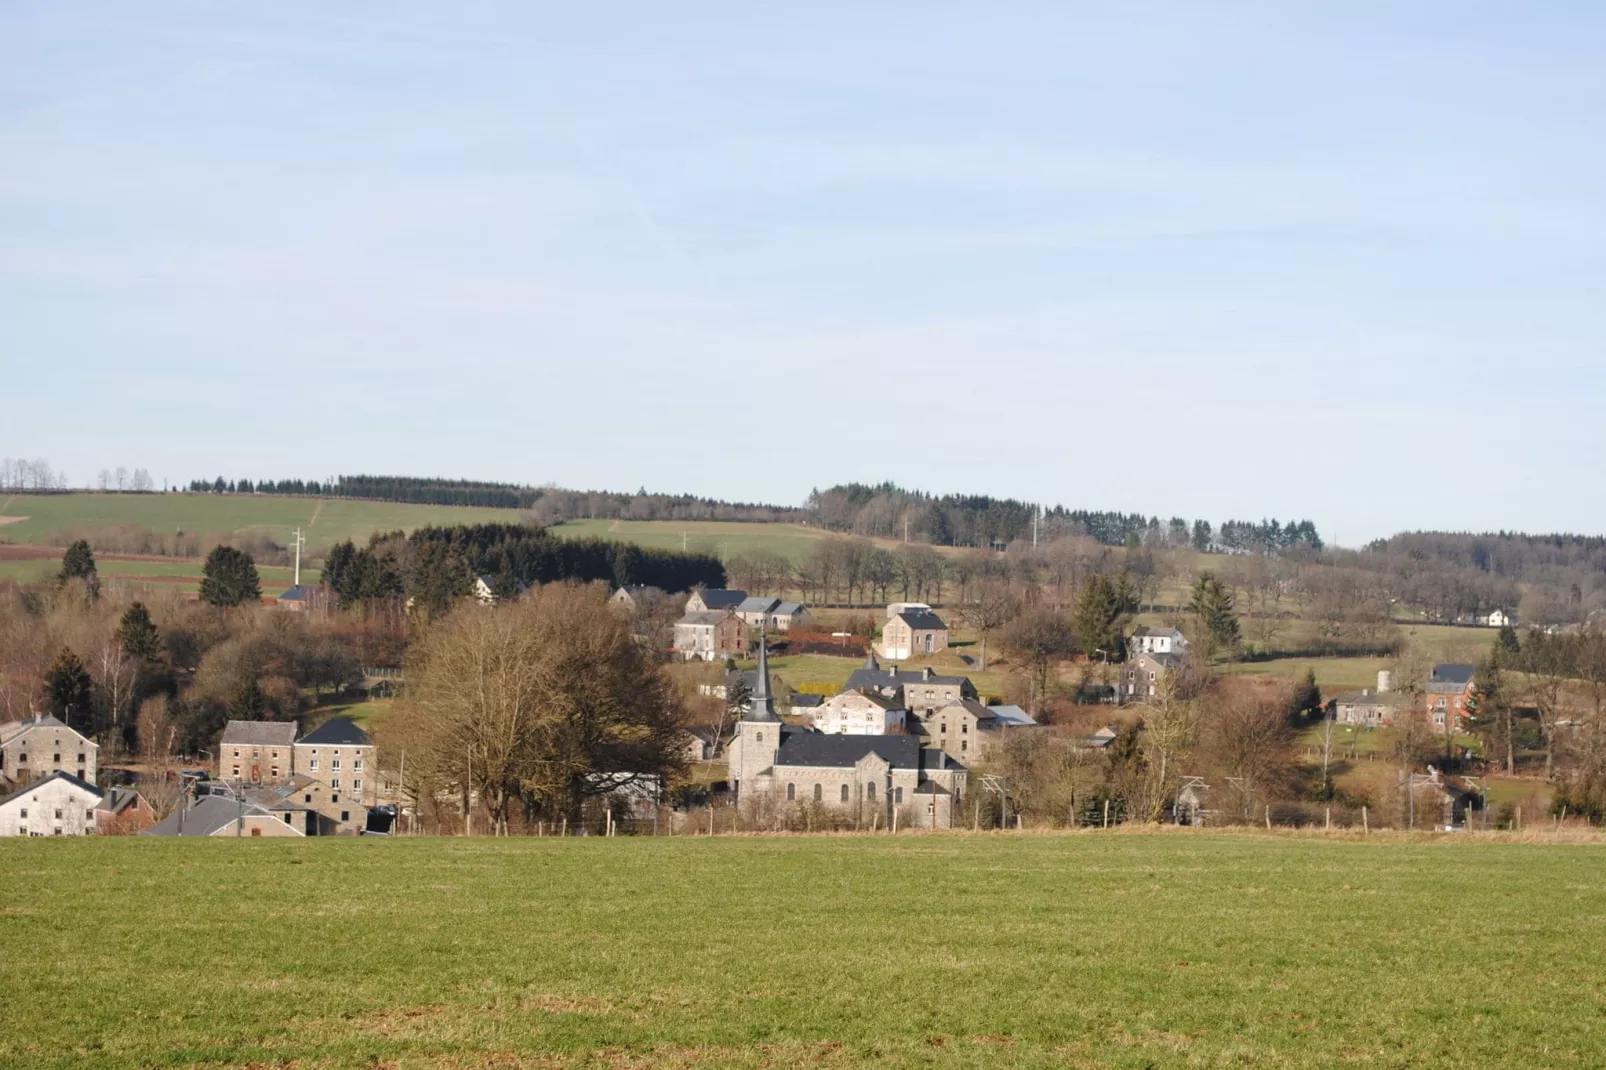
(1250, 259)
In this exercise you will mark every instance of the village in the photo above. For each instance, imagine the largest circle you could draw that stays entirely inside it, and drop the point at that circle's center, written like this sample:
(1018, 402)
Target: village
(893, 748)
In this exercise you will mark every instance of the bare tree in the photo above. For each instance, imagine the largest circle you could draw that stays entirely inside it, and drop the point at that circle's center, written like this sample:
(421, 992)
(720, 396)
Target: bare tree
(991, 605)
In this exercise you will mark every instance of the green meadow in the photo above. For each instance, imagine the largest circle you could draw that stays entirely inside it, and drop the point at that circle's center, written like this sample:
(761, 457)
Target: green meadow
(323, 521)
(1093, 949)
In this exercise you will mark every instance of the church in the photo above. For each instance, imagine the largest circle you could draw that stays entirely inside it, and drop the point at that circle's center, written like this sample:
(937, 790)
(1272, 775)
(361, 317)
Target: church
(869, 776)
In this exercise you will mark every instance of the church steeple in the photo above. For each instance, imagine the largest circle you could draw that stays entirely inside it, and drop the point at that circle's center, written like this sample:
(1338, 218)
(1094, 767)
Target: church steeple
(762, 706)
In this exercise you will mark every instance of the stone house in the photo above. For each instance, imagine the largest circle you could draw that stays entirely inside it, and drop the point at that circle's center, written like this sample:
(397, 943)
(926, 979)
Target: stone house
(775, 764)
(919, 691)
(913, 633)
(966, 730)
(257, 752)
(714, 600)
(771, 614)
(1157, 641)
(634, 597)
(58, 804)
(219, 815)
(858, 713)
(1145, 674)
(37, 747)
(711, 636)
(1367, 708)
(337, 761)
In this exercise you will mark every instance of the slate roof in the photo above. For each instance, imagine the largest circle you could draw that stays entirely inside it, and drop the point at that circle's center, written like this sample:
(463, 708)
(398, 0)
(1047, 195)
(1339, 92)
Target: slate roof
(844, 752)
(337, 732)
(806, 701)
(721, 598)
(1372, 698)
(703, 617)
(757, 604)
(210, 814)
(259, 733)
(922, 620)
(118, 799)
(60, 774)
(1147, 632)
(879, 678)
(1011, 716)
(11, 729)
(298, 593)
(789, 609)
(1451, 677)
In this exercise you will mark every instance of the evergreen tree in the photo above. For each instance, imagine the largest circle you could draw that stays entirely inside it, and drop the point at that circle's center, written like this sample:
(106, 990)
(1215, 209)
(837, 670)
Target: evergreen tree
(78, 563)
(229, 578)
(138, 636)
(1201, 535)
(1507, 645)
(69, 692)
(1098, 622)
(1308, 697)
(1212, 604)
(338, 574)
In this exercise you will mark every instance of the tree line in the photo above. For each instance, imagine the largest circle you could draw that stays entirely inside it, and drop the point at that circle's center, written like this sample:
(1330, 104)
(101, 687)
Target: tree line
(435, 566)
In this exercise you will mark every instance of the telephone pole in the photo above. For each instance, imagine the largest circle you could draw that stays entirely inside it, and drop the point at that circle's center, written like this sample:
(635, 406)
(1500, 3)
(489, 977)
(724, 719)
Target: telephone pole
(300, 541)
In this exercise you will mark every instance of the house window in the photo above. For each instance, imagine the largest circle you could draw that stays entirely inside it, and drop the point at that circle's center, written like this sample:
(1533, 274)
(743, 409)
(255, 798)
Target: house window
(356, 766)
(275, 772)
(256, 752)
(844, 793)
(819, 792)
(964, 729)
(23, 757)
(58, 814)
(56, 758)
(869, 791)
(791, 792)
(897, 796)
(964, 745)
(312, 766)
(334, 783)
(80, 759)
(309, 798)
(236, 753)
(236, 772)
(334, 799)
(287, 817)
(760, 738)
(334, 764)
(345, 815)
(25, 815)
(356, 785)
(274, 755)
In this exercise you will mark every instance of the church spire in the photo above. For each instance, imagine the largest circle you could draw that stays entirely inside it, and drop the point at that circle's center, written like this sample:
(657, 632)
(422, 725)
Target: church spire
(762, 706)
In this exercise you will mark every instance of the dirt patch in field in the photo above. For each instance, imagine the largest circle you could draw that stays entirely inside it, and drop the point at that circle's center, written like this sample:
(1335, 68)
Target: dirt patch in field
(4, 520)
(26, 553)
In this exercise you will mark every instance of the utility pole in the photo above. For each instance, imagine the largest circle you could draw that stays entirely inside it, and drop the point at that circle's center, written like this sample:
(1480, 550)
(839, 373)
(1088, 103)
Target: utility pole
(1037, 511)
(300, 541)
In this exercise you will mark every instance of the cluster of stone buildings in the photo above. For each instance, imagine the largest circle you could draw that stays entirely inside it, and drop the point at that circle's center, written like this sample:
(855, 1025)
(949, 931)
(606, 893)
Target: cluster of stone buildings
(892, 745)
(268, 783)
(720, 624)
(48, 771)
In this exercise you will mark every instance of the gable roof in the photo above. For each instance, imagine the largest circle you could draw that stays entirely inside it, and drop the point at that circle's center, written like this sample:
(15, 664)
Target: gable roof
(789, 609)
(703, 617)
(1147, 632)
(60, 774)
(11, 729)
(922, 620)
(209, 815)
(894, 677)
(119, 799)
(1011, 716)
(1451, 673)
(337, 732)
(259, 733)
(1368, 697)
(802, 699)
(757, 604)
(844, 752)
(298, 593)
(721, 597)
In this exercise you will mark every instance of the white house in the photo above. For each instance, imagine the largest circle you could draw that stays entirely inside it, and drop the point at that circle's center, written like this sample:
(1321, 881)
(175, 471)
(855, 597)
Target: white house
(1158, 641)
(858, 713)
(770, 614)
(58, 805)
(1501, 619)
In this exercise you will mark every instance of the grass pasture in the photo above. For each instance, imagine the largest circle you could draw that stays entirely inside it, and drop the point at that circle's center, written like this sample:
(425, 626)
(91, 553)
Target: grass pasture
(1091, 949)
(324, 521)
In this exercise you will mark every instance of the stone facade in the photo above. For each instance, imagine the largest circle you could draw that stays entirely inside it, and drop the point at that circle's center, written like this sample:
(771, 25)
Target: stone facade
(336, 773)
(39, 746)
(710, 636)
(913, 633)
(257, 752)
(855, 713)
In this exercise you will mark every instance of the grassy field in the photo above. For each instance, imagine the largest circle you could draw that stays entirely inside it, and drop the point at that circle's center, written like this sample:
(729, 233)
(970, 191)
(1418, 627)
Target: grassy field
(1093, 949)
(179, 573)
(723, 540)
(325, 522)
